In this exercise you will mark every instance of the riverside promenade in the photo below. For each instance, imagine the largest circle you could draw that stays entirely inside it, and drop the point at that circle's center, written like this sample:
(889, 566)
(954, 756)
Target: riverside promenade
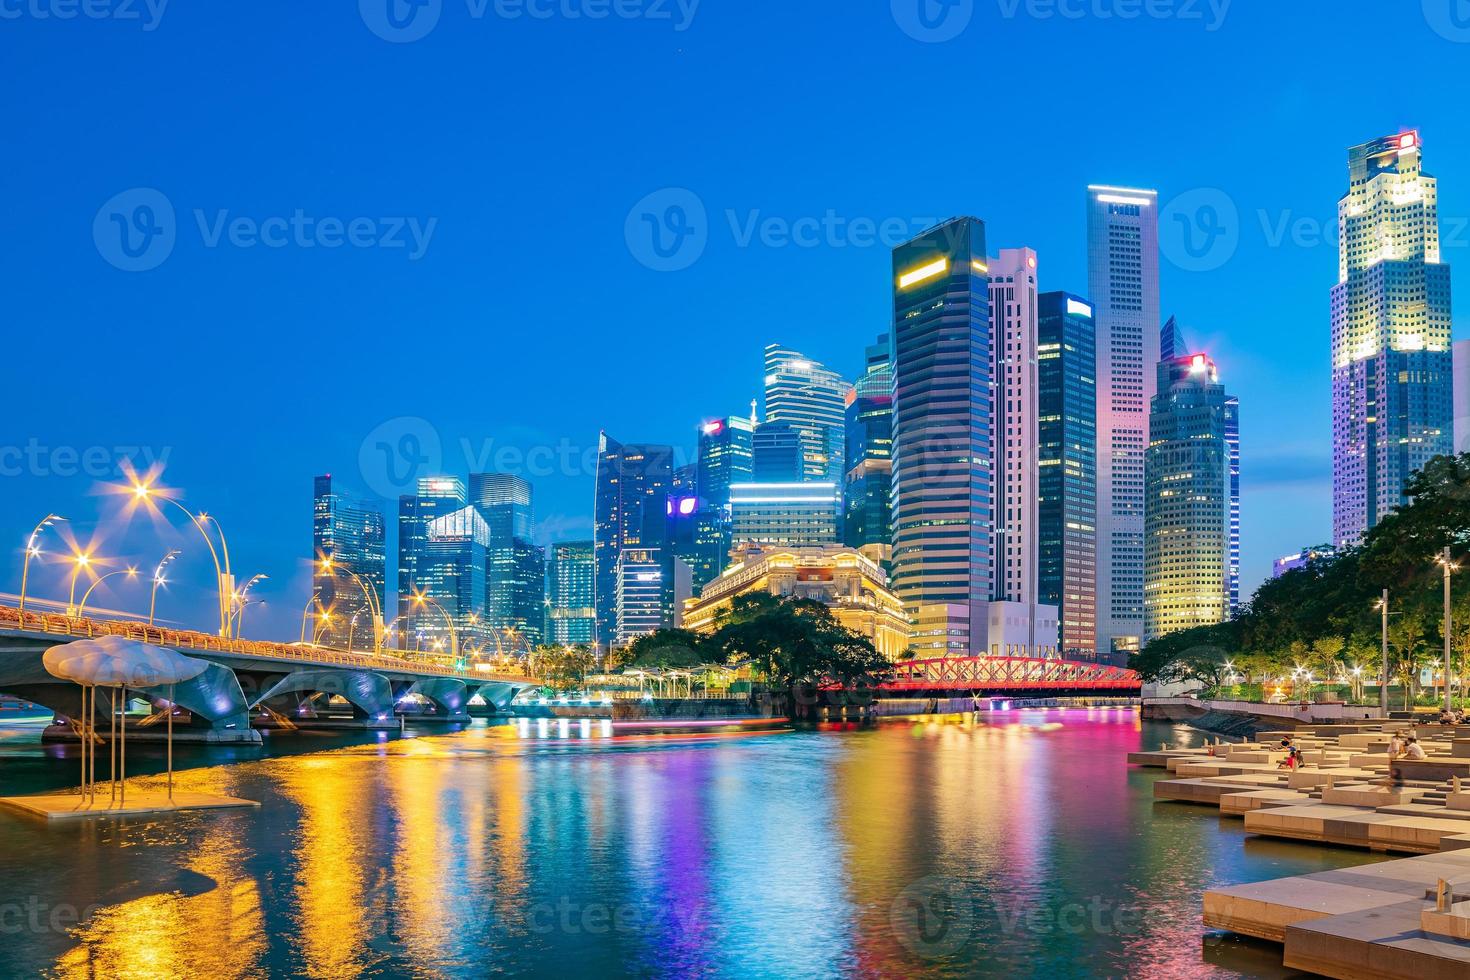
(1406, 918)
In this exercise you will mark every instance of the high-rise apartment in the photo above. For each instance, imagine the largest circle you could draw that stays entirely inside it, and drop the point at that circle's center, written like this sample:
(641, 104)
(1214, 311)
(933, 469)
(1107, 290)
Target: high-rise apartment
(1392, 390)
(1123, 283)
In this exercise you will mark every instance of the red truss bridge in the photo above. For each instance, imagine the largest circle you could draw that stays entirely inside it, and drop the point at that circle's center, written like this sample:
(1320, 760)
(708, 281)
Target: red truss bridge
(1010, 675)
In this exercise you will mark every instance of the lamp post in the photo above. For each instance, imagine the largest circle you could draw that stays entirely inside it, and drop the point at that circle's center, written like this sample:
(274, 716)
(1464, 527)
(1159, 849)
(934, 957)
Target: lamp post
(158, 580)
(32, 550)
(421, 599)
(224, 580)
(130, 572)
(328, 566)
(79, 562)
(1449, 566)
(1383, 685)
(238, 603)
(325, 615)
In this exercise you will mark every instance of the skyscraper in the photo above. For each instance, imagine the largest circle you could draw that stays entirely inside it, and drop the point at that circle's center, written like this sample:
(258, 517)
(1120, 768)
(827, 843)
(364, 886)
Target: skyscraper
(866, 511)
(435, 496)
(1123, 281)
(516, 567)
(1187, 499)
(572, 616)
(778, 453)
(1013, 368)
(785, 515)
(725, 448)
(943, 468)
(452, 567)
(808, 396)
(641, 584)
(631, 511)
(351, 533)
(1232, 443)
(1066, 521)
(1391, 360)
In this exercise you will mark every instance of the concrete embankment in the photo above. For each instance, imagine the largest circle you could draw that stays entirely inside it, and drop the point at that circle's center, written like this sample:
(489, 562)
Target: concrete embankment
(1247, 719)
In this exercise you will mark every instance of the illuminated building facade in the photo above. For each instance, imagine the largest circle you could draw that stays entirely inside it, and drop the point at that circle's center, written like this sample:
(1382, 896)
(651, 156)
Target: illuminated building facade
(571, 617)
(1066, 431)
(452, 569)
(849, 583)
(943, 465)
(785, 515)
(1123, 283)
(1301, 559)
(641, 584)
(726, 457)
(1013, 316)
(351, 533)
(1187, 500)
(516, 572)
(809, 397)
(634, 483)
(866, 513)
(434, 497)
(778, 453)
(1392, 391)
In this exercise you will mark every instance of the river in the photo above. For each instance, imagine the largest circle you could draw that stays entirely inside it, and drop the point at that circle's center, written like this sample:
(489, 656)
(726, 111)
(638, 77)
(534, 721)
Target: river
(1000, 845)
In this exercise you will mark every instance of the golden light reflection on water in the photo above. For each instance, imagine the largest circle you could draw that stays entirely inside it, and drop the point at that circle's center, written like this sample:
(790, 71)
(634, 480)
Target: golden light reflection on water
(218, 933)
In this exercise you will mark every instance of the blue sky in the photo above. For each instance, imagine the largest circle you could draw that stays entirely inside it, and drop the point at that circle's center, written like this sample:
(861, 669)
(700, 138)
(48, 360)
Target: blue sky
(466, 249)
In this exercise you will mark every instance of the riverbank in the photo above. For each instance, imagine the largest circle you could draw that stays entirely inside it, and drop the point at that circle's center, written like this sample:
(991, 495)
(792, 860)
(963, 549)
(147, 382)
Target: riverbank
(1383, 921)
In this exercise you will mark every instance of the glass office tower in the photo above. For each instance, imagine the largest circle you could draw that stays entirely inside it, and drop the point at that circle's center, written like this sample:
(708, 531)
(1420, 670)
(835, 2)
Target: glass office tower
(866, 510)
(809, 397)
(350, 532)
(634, 482)
(572, 616)
(1067, 468)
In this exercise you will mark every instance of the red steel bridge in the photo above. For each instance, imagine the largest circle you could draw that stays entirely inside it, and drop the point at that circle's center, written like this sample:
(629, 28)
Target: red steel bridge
(1011, 676)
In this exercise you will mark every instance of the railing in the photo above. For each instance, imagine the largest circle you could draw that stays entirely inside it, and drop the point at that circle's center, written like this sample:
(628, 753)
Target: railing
(57, 624)
(1010, 673)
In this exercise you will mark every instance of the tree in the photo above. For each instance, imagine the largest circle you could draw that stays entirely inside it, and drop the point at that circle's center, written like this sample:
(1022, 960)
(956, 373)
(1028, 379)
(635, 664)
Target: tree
(668, 649)
(795, 641)
(1199, 653)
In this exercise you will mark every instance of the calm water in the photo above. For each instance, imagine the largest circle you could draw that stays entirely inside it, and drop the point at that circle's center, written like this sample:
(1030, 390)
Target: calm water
(1016, 845)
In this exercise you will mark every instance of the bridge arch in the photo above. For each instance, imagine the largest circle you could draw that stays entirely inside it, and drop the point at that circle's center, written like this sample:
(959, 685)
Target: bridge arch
(368, 692)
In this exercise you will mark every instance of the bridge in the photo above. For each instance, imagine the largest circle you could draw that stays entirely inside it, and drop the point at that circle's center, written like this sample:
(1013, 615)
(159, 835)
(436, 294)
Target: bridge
(1012, 676)
(250, 678)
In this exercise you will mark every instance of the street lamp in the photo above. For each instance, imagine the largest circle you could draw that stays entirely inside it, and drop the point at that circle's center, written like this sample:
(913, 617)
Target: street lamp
(131, 572)
(1383, 683)
(158, 580)
(32, 550)
(328, 566)
(238, 603)
(325, 614)
(422, 599)
(146, 493)
(79, 561)
(1449, 566)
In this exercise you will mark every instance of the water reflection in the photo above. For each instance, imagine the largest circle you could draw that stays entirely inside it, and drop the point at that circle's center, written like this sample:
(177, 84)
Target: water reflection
(537, 849)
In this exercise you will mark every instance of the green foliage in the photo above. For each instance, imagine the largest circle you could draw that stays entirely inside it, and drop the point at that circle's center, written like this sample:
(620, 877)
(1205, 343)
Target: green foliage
(1325, 617)
(562, 668)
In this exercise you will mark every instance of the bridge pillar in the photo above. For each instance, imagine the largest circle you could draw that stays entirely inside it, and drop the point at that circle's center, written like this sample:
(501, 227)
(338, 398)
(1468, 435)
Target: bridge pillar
(449, 695)
(214, 696)
(497, 694)
(369, 693)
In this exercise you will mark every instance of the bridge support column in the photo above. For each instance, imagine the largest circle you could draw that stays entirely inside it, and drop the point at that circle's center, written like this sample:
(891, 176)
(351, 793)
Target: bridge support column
(215, 698)
(369, 694)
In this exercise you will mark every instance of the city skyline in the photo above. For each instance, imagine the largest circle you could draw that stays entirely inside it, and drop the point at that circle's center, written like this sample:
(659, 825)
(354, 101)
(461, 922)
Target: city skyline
(468, 290)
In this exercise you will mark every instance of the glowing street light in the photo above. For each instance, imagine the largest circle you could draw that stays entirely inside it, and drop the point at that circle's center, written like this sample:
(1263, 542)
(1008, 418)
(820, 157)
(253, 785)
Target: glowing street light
(33, 549)
(145, 493)
(239, 599)
(131, 572)
(328, 566)
(79, 561)
(1449, 566)
(422, 599)
(158, 579)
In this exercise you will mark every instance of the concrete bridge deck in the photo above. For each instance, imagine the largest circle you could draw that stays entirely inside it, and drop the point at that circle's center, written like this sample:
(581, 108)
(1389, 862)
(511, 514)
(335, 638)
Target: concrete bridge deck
(296, 681)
